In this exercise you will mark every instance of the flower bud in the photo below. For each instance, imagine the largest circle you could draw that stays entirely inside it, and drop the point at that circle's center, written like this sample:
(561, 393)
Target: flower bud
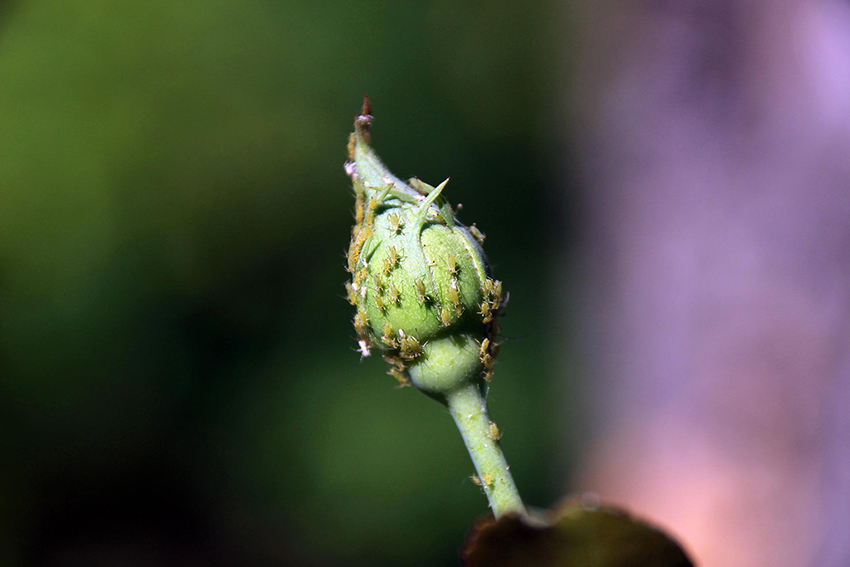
(421, 284)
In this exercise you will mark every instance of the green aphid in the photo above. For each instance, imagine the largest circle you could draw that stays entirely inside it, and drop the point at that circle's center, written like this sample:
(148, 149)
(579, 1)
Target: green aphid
(350, 295)
(399, 375)
(484, 348)
(451, 264)
(421, 292)
(396, 224)
(446, 317)
(479, 236)
(486, 314)
(387, 338)
(495, 434)
(410, 348)
(395, 296)
(393, 257)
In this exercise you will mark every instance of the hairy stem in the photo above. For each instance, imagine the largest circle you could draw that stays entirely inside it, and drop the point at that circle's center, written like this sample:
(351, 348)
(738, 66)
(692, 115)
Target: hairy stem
(469, 411)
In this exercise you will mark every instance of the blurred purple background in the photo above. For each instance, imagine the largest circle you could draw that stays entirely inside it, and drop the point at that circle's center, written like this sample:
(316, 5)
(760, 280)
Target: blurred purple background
(714, 148)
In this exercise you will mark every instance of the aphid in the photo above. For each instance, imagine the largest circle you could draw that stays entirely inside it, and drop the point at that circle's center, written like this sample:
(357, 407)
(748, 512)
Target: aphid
(495, 434)
(395, 296)
(446, 317)
(396, 223)
(379, 285)
(361, 321)
(451, 264)
(352, 257)
(488, 375)
(359, 277)
(399, 375)
(453, 296)
(350, 294)
(497, 293)
(387, 337)
(487, 480)
(410, 348)
(363, 348)
(397, 363)
(391, 260)
(475, 480)
(357, 246)
(485, 347)
(394, 258)
(487, 360)
(476, 232)
(380, 303)
(420, 290)
(494, 289)
(370, 216)
(455, 299)
(485, 313)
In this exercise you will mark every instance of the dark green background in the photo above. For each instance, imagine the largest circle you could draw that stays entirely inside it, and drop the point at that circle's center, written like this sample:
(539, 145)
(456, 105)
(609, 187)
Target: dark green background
(178, 384)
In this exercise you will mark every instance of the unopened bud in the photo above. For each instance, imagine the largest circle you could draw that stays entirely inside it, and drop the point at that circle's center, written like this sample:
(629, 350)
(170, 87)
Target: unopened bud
(421, 284)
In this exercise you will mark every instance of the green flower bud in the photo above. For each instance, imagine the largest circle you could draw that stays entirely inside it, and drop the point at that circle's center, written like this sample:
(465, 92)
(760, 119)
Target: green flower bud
(421, 284)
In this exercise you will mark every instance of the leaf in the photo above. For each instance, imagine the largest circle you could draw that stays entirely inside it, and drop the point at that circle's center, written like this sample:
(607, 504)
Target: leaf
(574, 537)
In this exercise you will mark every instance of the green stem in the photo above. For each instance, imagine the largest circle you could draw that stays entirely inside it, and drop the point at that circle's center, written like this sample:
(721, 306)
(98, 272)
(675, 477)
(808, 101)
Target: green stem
(469, 411)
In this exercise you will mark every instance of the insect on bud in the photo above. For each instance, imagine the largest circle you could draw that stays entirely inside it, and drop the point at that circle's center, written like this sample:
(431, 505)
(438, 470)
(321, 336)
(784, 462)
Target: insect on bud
(421, 283)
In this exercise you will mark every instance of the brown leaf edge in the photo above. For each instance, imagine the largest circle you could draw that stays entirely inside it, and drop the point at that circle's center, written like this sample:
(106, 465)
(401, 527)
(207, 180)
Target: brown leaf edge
(571, 536)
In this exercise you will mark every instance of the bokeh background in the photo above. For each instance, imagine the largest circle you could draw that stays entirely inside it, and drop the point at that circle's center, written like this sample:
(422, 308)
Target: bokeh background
(664, 190)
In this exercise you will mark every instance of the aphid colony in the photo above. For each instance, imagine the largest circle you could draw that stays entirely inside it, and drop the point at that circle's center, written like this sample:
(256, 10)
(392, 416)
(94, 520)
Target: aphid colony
(418, 275)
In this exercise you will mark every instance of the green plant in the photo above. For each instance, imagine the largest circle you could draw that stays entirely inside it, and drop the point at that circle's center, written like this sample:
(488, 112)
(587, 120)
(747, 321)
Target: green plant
(426, 299)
